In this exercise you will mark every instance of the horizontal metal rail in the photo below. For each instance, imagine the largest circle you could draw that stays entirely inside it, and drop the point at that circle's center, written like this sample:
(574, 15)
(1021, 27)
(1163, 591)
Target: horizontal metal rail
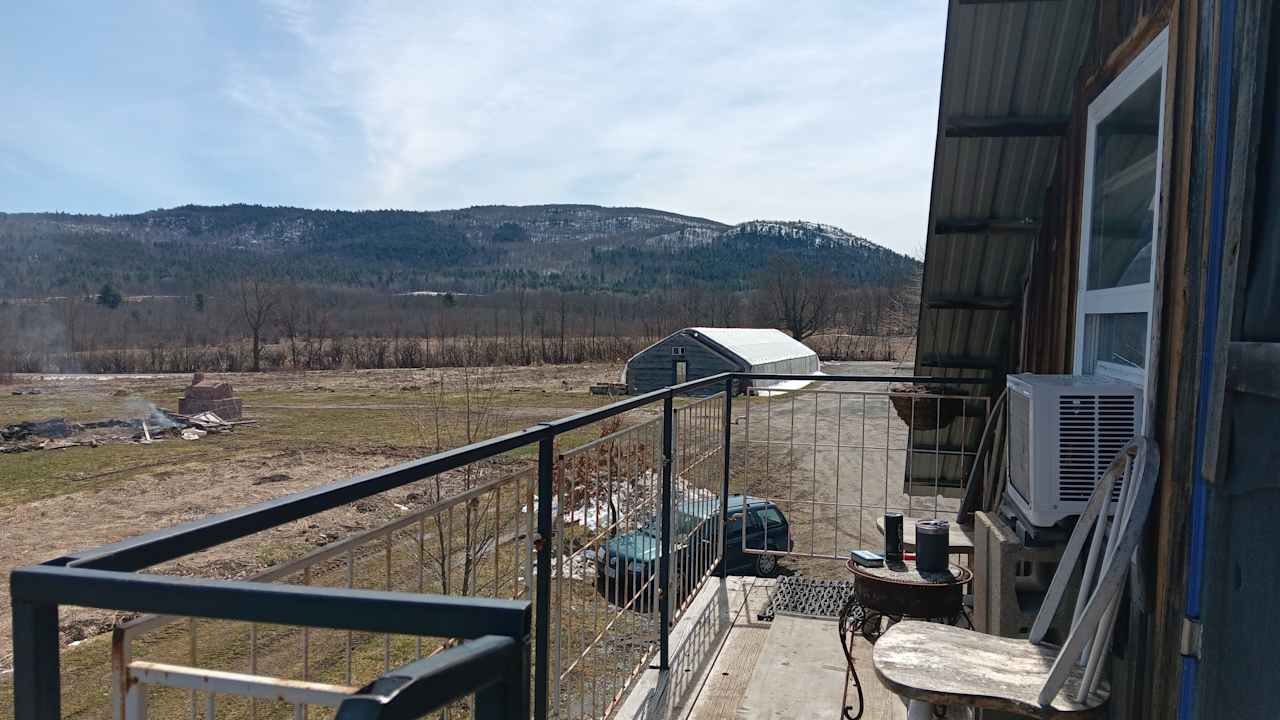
(490, 667)
(917, 379)
(212, 683)
(335, 608)
(219, 681)
(107, 577)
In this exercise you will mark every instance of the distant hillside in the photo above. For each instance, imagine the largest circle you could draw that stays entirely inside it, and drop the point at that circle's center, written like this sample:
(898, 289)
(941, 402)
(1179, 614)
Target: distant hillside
(478, 249)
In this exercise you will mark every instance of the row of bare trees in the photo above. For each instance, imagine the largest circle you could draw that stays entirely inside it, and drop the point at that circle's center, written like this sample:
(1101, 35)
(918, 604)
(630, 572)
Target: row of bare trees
(259, 326)
(806, 301)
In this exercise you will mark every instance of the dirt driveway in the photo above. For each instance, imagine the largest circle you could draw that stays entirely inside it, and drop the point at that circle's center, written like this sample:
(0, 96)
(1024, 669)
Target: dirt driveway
(833, 456)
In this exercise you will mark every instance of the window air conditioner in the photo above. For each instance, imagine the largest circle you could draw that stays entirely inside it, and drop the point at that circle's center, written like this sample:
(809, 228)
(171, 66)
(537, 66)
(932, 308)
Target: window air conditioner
(1064, 430)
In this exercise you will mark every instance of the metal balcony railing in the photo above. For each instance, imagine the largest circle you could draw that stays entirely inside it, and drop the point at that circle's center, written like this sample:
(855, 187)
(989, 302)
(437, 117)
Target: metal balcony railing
(837, 457)
(518, 591)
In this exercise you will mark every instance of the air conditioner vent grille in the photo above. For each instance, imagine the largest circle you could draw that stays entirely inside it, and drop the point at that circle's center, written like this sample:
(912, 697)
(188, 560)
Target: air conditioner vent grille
(1092, 429)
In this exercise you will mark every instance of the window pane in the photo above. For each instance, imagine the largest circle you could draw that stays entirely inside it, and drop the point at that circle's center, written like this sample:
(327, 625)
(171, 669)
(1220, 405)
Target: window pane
(1119, 340)
(770, 517)
(1124, 190)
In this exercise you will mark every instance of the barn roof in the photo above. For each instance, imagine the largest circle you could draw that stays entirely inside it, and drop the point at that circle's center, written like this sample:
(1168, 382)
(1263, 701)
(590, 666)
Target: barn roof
(755, 346)
(1008, 74)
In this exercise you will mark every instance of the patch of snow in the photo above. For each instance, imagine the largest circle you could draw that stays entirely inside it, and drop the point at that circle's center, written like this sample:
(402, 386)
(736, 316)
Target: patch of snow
(782, 387)
(434, 293)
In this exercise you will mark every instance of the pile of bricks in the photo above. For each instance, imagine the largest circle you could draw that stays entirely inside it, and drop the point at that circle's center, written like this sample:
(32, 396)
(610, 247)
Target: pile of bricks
(207, 396)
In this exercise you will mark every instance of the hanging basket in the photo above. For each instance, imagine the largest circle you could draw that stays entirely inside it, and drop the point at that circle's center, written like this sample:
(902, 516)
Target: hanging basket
(922, 412)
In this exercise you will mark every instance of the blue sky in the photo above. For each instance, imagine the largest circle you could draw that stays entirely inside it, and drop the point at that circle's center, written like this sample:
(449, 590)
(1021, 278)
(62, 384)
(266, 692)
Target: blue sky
(821, 111)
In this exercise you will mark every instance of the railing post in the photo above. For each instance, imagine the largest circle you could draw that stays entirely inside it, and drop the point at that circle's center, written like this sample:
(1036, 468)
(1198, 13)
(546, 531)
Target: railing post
(724, 484)
(664, 548)
(542, 607)
(508, 699)
(36, 675)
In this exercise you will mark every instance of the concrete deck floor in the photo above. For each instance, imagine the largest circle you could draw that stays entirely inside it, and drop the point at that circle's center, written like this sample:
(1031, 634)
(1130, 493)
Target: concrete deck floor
(728, 664)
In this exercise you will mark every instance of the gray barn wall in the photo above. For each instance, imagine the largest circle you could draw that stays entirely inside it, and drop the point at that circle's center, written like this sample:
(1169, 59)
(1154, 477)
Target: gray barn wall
(654, 367)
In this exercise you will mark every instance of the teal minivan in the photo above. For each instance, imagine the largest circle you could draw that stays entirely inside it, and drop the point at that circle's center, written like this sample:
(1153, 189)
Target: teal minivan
(626, 564)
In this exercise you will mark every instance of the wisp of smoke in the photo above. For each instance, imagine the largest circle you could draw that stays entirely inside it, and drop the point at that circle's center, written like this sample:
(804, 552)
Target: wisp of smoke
(148, 411)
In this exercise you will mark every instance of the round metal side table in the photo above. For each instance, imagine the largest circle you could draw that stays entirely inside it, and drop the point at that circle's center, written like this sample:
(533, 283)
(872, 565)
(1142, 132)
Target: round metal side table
(897, 590)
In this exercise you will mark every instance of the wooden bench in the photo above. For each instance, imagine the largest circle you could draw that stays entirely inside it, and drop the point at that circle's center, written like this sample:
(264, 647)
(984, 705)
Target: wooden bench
(939, 665)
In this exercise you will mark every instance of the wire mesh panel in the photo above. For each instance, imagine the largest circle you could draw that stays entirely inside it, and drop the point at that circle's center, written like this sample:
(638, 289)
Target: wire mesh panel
(477, 541)
(605, 593)
(600, 518)
(473, 534)
(833, 460)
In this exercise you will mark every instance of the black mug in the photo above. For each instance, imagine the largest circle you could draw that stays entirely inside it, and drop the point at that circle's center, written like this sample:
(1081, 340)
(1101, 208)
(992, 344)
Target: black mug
(932, 545)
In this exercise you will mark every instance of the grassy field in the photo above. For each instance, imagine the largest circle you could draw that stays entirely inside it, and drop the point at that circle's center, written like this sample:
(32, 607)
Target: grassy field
(311, 429)
(382, 414)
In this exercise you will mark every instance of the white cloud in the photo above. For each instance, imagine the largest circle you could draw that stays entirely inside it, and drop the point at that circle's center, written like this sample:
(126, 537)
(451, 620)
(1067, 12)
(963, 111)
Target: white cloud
(732, 110)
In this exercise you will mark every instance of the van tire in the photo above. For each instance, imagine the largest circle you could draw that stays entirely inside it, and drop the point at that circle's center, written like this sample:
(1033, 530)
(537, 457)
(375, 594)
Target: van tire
(766, 565)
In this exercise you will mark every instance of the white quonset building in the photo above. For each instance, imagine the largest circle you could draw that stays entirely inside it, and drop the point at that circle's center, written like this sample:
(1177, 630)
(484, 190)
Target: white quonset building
(699, 352)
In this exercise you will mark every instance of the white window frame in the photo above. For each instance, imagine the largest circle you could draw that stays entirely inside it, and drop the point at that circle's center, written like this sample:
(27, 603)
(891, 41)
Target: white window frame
(1139, 298)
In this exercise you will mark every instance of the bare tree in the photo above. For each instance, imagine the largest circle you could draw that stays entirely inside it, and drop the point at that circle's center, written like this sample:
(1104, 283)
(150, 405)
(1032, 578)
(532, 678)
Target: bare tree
(289, 322)
(725, 307)
(799, 299)
(903, 312)
(563, 312)
(522, 305)
(257, 306)
(540, 322)
(463, 407)
(72, 311)
(8, 364)
(595, 316)
(315, 329)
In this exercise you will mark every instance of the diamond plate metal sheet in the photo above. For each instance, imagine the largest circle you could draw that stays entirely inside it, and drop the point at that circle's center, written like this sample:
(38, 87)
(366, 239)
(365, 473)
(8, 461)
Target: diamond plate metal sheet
(808, 597)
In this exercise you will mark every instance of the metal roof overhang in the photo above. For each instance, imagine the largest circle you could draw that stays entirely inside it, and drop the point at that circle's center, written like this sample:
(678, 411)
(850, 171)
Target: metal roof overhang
(1009, 71)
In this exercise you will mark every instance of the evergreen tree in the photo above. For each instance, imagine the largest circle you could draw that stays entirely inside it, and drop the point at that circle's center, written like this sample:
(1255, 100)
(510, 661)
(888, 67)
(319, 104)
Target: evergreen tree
(110, 297)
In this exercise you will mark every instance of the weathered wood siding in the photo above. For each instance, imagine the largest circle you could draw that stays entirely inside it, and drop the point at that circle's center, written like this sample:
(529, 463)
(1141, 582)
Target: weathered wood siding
(1241, 576)
(654, 367)
(1147, 669)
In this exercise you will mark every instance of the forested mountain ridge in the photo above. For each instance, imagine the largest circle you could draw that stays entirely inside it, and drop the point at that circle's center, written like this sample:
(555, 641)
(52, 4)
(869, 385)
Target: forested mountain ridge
(478, 249)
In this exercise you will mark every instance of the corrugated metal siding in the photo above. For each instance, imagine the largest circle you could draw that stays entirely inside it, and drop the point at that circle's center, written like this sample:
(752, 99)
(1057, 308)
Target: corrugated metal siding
(1002, 59)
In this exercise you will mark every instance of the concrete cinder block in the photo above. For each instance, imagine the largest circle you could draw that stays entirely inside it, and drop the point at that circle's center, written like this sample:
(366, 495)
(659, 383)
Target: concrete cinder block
(1009, 578)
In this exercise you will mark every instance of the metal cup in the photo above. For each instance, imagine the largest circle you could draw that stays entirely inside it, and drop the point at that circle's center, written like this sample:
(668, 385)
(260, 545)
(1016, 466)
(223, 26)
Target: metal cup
(893, 537)
(932, 545)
